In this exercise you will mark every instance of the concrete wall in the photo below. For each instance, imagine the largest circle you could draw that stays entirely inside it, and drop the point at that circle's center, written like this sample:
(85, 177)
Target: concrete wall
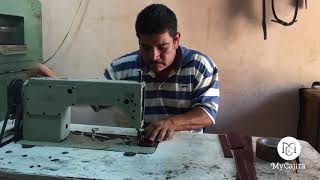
(259, 78)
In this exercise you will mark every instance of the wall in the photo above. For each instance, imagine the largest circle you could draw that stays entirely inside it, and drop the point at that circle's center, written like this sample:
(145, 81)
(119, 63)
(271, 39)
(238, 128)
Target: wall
(259, 78)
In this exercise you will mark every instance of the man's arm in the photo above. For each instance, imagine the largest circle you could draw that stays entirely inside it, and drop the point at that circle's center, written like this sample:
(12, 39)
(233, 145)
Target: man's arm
(164, 130)
(205, 104)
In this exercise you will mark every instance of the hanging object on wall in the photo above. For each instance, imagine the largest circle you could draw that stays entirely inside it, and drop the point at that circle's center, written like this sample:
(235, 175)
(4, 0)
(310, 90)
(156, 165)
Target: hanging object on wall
(276, 18)
(264, 19)
(284, 23)
(306, 4)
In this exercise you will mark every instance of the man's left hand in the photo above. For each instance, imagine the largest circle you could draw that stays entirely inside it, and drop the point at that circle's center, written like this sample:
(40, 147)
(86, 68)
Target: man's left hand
(160, 130)
(41, 70)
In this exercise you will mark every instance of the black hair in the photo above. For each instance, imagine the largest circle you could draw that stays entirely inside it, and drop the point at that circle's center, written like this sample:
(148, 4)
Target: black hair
(156, 18)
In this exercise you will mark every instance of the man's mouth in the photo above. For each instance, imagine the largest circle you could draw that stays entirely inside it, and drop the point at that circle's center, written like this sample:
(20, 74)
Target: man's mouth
(158, 65)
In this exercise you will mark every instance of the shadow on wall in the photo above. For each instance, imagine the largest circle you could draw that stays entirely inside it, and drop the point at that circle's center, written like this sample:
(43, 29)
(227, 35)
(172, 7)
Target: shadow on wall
(300, 3)
(105, 117)
(249, 13)
(277, 116)
(243, 8)
(242, 12)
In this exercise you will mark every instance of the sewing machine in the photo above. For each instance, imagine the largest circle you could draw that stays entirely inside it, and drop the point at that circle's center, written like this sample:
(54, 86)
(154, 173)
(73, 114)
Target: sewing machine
(36, 111)
(47, 103)
(46, 114)
(42, 113)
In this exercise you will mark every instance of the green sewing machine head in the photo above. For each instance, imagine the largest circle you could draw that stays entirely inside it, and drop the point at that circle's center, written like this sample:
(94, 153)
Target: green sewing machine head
(46, 113)
(47, 102)
(36, 111)
(43, 113)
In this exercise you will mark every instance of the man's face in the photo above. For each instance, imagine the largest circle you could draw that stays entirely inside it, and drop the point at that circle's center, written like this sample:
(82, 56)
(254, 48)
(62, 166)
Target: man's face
(158, 50)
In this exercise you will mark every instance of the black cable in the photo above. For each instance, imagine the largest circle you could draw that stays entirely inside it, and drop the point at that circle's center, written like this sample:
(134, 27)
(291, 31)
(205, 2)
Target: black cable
(277, 20)
(65, 37)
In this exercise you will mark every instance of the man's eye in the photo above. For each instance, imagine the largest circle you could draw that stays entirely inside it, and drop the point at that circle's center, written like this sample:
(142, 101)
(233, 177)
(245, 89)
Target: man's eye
(161, 48)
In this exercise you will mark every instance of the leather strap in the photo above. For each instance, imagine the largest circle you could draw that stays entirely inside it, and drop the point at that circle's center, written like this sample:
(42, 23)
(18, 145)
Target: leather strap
(243, 153)
(225, 146)
(264, 23)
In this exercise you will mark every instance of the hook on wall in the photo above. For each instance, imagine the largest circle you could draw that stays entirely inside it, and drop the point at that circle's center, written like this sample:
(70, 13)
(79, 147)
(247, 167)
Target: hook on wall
(297, 4)
(284, 23)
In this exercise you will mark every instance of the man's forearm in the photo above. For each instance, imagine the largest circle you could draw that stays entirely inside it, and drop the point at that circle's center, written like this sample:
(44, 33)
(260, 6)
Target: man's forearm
(194, 119)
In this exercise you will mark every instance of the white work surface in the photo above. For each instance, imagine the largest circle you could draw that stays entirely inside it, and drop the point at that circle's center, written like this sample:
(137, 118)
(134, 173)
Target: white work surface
(187, 156)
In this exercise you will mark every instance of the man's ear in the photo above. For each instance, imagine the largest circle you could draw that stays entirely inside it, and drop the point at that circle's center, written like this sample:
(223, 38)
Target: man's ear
(176, 40)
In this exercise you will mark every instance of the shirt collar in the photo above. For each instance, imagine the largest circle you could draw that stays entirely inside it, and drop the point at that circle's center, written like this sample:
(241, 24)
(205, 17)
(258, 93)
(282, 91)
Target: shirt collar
(185, 56)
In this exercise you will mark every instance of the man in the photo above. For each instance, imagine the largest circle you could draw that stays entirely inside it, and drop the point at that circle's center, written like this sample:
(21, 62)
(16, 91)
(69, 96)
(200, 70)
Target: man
(182, 87)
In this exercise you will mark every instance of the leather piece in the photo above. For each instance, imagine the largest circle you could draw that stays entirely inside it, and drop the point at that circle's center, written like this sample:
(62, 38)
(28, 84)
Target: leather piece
(225, 146)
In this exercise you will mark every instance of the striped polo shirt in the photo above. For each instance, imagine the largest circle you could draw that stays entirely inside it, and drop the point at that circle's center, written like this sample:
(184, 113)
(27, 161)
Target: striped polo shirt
(193, 83)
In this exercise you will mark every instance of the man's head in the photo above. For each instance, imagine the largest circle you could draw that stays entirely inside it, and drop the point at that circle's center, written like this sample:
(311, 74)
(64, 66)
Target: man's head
(156, 29)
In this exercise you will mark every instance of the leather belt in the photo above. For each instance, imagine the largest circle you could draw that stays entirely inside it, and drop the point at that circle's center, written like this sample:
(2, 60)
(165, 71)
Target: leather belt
(242, 152)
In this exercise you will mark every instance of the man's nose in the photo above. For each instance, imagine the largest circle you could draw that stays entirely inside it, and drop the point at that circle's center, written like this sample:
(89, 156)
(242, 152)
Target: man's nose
(155, 54)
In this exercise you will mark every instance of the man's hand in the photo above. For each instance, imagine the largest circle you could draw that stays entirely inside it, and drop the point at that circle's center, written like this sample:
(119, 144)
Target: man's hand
(160, 130)
(164, 129)
(42, 70)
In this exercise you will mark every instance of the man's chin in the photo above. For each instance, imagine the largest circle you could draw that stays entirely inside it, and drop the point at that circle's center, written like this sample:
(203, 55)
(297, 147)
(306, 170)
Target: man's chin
(158, 69)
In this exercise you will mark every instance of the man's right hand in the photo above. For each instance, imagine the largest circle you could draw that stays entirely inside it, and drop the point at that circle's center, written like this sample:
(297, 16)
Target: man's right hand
(42, 70)
(160, 130)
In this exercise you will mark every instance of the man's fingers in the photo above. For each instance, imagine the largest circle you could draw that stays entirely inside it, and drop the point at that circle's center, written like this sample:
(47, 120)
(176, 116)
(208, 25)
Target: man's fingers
(154, 134)
(42, 70)
(148, 131)
(169, 135)
(159, 131)
(161, 135)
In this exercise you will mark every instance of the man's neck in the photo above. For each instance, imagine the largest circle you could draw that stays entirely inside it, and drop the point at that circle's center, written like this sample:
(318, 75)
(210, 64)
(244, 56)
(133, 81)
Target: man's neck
(164, 75)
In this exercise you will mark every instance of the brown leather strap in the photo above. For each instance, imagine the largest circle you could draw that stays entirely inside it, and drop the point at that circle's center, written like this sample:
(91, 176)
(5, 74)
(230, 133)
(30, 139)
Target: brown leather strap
(243, 153)
(225, 146)
(235, 140)
(264, 21)
(241, 165)
(250, 157)
(249, 148)
(306, 3)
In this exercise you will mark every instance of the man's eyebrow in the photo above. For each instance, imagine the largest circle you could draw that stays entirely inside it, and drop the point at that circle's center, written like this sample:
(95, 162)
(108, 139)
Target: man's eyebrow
(146, 45)
(163, 44)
